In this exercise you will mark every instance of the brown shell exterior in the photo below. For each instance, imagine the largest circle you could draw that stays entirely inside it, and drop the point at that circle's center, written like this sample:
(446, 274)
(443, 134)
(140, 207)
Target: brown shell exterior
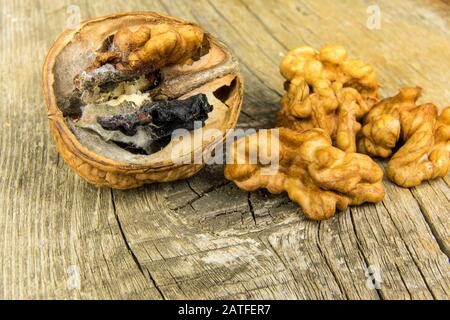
(95, 168)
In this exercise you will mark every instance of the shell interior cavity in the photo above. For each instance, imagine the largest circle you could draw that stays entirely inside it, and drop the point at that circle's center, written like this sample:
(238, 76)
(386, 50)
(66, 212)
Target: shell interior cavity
(114, 76)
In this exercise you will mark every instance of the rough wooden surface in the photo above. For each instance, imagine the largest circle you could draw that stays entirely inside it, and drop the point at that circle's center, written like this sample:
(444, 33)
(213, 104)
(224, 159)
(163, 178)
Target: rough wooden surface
(203, 238)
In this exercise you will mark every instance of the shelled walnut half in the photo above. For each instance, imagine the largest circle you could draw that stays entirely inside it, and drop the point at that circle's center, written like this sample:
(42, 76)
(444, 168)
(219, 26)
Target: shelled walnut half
(420, 133)
(316, 175)
(116, 87)
(327, 90)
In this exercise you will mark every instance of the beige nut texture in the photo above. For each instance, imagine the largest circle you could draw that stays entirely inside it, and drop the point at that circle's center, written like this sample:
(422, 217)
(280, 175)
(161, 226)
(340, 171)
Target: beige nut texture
(327, 90)
(152, 46)
(421, 133)
(316, 175)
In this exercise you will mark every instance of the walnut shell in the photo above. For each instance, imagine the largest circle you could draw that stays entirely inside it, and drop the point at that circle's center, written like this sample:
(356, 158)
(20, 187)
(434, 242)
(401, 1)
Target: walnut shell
(105, 164)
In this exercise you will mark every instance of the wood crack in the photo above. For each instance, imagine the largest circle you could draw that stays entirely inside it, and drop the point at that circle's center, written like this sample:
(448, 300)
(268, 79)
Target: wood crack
(440, 242)
(249, 116)
(358, 246)
(250, 206)
(156, 285)
(327, 263)
(199, 195)
(275, 252)
(410, 254)
(130, 250)
(403, 280)
(192, 189)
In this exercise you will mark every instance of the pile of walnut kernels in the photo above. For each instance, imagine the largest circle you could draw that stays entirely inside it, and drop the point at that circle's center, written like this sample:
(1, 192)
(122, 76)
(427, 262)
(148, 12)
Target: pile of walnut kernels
(332, 122)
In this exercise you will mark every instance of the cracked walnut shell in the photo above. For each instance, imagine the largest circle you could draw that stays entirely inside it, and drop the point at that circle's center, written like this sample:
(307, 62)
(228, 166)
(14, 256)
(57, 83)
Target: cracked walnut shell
(327, 90)
(316, 175)
(128, 67)
(422, 135)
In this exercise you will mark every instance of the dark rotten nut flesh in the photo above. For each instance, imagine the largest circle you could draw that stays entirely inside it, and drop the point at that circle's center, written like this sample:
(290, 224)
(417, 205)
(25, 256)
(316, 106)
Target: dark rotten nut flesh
(161, 118)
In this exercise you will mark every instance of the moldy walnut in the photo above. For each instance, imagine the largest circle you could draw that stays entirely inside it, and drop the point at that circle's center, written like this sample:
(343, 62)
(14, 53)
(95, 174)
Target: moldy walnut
(316, 175)
(422, 136)
(117, 86)
(327, 90)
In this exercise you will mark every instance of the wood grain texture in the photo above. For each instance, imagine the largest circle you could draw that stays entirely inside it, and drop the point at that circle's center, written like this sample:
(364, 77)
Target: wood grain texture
(204, 238)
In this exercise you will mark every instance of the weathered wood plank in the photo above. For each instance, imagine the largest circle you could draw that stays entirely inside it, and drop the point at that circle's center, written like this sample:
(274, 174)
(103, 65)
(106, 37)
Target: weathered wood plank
(59, 236)
(434, 202)
(204, 238)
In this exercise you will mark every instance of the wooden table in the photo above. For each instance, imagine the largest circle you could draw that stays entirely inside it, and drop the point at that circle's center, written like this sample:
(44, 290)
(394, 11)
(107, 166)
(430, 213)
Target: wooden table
(203, 238)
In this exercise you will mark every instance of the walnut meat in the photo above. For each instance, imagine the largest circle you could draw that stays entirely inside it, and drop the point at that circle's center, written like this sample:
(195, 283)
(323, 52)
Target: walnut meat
(327, 90)
(117, 86)
(316, 175)
(152, 47)
(423, 136)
